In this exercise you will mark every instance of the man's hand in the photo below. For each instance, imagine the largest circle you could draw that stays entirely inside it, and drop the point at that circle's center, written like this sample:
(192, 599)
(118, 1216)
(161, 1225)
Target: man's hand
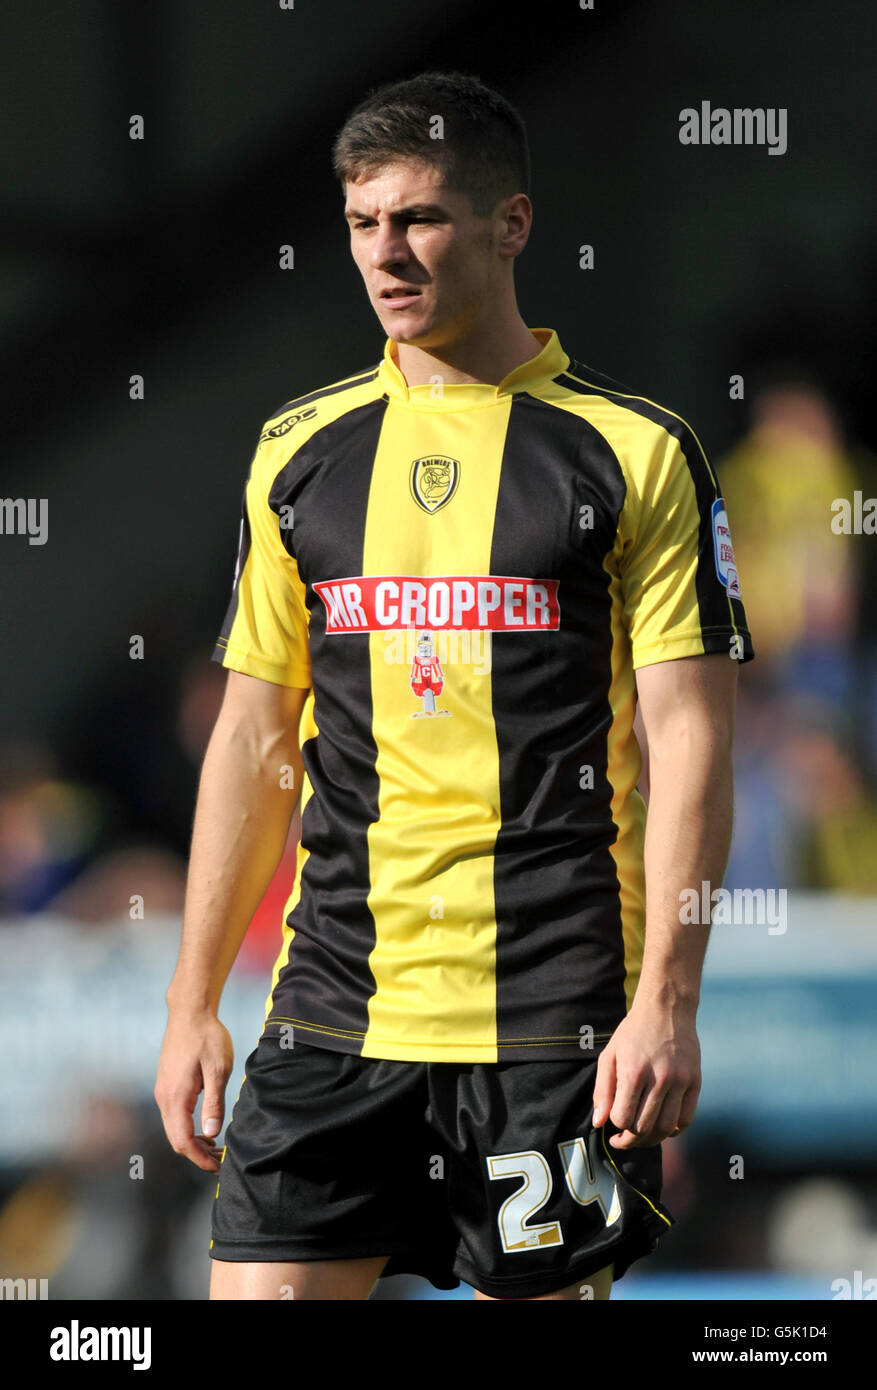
(648, 1078)
(197, 1055)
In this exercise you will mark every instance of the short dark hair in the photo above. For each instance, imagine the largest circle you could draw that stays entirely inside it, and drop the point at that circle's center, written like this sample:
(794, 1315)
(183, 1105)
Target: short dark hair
(483, 152)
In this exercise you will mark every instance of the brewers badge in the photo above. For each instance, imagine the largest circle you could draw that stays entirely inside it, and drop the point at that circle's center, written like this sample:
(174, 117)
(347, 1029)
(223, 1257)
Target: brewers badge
(434, 481)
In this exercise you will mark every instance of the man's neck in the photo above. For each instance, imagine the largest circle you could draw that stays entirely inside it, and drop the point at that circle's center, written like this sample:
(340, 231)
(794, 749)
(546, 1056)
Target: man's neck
(487, 355)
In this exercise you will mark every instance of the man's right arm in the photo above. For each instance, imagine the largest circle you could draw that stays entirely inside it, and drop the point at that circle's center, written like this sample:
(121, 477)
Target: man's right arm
(242, 817)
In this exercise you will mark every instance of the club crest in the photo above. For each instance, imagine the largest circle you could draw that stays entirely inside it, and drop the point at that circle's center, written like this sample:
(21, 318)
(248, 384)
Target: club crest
(434, 481)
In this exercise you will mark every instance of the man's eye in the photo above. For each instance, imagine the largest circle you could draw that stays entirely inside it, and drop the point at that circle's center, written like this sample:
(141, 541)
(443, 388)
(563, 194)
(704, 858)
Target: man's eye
(361, 226)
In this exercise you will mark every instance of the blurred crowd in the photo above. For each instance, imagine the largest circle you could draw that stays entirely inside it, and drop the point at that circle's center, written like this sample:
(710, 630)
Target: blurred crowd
(806, 745)
(80, 846)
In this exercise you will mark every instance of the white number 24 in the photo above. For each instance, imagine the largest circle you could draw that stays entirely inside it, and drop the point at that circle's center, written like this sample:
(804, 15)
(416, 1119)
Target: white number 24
(587, 1178)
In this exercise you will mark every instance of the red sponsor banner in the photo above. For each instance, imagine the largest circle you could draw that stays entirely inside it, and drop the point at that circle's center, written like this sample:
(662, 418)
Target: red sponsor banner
(485, 602)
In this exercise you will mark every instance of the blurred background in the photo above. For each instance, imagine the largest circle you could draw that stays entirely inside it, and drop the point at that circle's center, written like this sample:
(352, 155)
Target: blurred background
(737, 287)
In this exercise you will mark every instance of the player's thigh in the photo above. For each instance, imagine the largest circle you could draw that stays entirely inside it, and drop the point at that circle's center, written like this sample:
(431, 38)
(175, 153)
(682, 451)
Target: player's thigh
(308, 1279)
(595, 1286)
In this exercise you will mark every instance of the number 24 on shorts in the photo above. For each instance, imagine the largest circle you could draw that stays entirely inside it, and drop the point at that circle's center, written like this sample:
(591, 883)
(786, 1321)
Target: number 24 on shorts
(587, 1178)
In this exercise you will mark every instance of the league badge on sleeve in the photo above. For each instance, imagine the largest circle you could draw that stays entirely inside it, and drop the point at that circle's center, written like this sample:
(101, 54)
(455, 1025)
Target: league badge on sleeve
(726, 565)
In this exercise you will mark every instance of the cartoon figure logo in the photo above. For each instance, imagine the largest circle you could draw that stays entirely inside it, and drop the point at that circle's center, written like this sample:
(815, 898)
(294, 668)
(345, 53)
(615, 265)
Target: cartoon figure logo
(427, 678)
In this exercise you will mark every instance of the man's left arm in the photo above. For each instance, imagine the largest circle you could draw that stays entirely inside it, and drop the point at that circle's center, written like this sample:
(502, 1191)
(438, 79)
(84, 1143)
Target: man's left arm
(648, 1075)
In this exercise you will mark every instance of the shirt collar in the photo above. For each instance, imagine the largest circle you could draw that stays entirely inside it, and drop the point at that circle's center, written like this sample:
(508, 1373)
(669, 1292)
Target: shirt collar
(549, 362)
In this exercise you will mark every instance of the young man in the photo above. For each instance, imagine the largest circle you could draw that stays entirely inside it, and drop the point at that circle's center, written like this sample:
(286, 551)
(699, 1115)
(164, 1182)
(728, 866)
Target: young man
(450, 566)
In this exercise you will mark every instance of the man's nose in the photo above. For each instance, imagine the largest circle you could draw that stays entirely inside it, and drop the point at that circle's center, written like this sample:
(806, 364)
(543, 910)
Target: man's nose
(390, 245)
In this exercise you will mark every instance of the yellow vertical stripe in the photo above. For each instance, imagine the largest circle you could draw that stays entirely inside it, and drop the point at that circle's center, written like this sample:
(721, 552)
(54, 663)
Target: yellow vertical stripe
(434, 959)
(628, 808)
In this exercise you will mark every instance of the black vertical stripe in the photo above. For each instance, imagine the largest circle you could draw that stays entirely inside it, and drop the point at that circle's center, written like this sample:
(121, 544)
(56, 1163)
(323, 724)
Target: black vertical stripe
(243, 551)
(327, 483)
(554, 872)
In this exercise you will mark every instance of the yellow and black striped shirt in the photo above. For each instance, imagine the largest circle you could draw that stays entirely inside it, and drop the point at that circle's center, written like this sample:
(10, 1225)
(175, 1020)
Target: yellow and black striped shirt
(465, 577)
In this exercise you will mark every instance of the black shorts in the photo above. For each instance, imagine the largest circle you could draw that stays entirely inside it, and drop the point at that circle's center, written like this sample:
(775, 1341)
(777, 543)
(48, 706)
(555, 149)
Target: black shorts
(486, 1172)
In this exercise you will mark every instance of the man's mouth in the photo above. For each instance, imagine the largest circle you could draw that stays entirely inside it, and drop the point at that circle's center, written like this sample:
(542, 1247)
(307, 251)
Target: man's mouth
(400, 293)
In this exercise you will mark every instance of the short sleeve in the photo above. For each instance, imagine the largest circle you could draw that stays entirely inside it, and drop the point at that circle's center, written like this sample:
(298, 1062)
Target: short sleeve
(679, 579)
(265, 632)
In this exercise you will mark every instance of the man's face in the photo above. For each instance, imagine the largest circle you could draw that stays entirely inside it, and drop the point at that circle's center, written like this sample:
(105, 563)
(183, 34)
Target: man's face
(409, 232)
